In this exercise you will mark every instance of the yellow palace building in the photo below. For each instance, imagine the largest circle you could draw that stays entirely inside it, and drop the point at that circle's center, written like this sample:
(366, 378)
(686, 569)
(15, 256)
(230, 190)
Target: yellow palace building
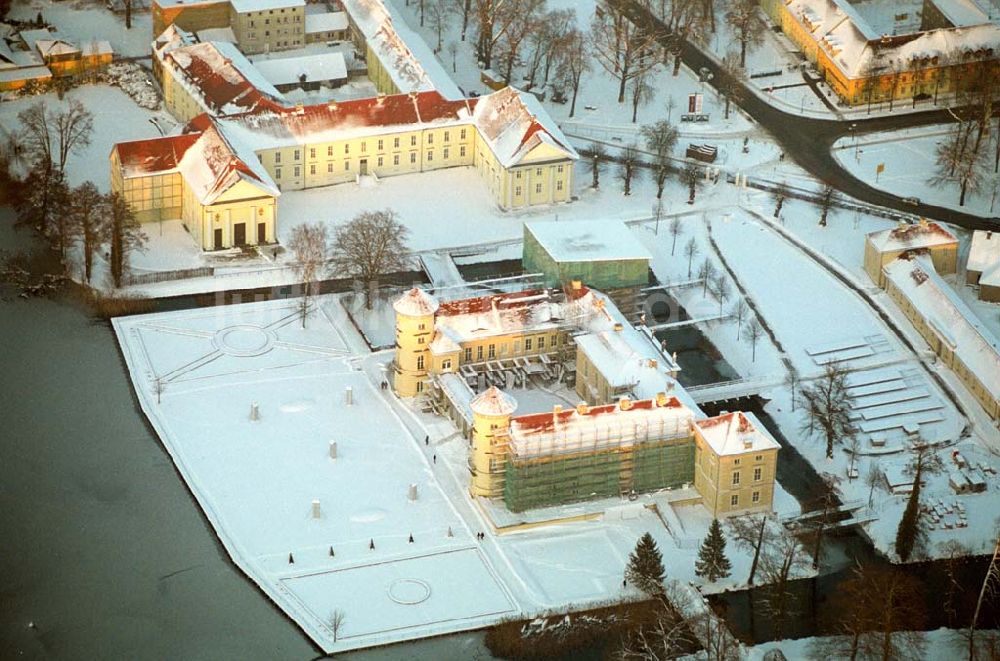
(880, 50)
(644, 435)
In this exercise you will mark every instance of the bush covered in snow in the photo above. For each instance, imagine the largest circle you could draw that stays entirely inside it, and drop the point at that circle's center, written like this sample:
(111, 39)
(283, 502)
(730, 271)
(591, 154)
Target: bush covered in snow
(134, 81)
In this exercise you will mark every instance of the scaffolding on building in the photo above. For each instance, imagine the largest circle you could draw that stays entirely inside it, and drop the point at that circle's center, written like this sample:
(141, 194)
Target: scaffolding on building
(617, 459)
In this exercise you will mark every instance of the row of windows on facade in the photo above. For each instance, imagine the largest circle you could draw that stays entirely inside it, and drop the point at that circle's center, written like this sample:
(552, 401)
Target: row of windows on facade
(380, 162)
(757, 474)
(267, 33)
(297, 154)
(734, 500)
(280, 19)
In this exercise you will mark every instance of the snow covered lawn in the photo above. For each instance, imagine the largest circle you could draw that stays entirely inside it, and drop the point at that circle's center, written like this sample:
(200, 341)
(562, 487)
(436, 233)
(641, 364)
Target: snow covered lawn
(116, 119)
(909, 157)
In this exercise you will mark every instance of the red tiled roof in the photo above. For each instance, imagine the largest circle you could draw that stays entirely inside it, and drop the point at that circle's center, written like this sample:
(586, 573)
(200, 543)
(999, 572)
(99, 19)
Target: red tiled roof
(392, 110)
(534, 423)
(220, 82)
(482, 304)
(146, 157)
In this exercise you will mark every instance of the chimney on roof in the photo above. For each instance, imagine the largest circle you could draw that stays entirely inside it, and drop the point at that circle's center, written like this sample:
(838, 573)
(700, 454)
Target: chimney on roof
(413, 94)
(299, 108)
(652, 363)
(556, 409)
(581, 408)
(576, 285)
(902, 225)
(331, 106)
(989, 234)
(670, 386)
(625, 403)
(923, 222)
(619, 328)
(661, 399)
(380, 95)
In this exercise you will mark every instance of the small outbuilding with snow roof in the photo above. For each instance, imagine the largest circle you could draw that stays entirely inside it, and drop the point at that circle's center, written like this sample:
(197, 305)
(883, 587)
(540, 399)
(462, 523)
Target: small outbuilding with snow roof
(602, 254)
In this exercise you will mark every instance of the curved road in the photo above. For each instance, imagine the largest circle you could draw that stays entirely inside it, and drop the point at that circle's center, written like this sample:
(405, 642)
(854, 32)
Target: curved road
(809, 140)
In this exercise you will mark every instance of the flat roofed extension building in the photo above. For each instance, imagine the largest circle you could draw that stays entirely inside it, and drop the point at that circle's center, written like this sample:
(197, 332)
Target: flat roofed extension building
(603, 253)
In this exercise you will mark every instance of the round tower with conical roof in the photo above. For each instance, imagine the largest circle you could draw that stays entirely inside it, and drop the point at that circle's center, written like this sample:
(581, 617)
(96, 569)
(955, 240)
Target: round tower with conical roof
(415, 312)
(491, 412)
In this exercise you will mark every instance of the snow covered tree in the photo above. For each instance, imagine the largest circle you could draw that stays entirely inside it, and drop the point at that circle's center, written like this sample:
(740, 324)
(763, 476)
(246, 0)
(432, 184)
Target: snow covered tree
(438, 18)
(779, 561)
(747, 27)
(645, 566)
(731, 81)
(754, 332)
(705, 273)
(660, 137)
(750, 532)
(721, 290)
(960, 165)
(624, 49)
(573, 62)
(739, 312)
(41, 199)
(86, 203)
(595, 162)
(827, 403)
(527, 17)
(690, 251)
(826, 199)
(51, 136)
(675, 229)
(628, 170)
(371, 244)
(779, 194)
(124, 234)
(712, 562)
(310, 246)
(910, 533)
(642, 93)
(692, 176)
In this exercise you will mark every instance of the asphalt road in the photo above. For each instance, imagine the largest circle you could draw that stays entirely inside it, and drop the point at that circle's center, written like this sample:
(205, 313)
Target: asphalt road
(809, 140)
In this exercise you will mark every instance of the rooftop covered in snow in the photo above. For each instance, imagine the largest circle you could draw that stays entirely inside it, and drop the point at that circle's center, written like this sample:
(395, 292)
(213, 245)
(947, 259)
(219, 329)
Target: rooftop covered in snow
(949, 317)
(321, 67)
(404, 54)
(214, 72)
(587, 428)
(735, 433)
(984, 253)
(925, 234)
(589, 240)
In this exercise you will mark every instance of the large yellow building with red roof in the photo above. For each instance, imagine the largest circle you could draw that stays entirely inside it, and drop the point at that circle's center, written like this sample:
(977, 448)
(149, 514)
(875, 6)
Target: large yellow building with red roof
(644, 434)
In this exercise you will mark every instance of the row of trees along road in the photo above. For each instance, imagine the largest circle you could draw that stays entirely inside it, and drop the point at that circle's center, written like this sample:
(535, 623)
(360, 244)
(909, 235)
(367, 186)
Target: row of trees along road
(67, 216)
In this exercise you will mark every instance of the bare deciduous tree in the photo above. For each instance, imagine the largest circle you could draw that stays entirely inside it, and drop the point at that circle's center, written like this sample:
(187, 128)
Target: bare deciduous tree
(595, 162)
(311, 247)
(827, 403)
(371, 244)
(438, 19)
(744, 20)
(124, 236)
(573, 62)
(740, 312)
(960, 165)
(621, 47)
(675, 229)
(86, 207)
(690, 251)
(336, 622)
(691, 176)
(750, 532)
(754, 332)
(629, 167)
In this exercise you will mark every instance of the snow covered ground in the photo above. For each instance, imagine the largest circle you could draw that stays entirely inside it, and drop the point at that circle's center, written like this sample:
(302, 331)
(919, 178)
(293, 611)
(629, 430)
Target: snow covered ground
(909, 159)
(84, 20)
(197, 374)
(939, 644)
(116, 118)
